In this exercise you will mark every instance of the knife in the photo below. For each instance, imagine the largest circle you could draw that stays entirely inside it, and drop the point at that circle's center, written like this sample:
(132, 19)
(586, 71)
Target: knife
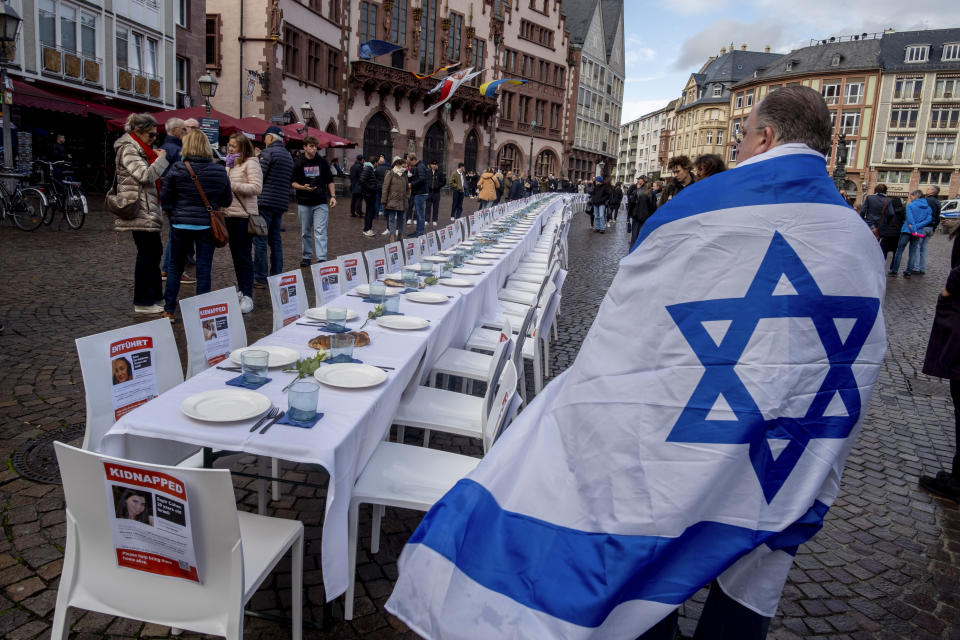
(272, 422)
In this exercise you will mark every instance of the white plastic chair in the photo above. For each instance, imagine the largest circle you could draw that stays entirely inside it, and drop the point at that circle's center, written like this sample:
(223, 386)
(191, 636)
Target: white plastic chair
(96, 364)
(235, 552)
(433, 244)
(202, 308)
(471, 365)
(287, 286)
(411, 251)
(408, 477)
(326, 281)
(394, 257)
(487, 340)
(435, 409)
(352, 273)
(376, 264)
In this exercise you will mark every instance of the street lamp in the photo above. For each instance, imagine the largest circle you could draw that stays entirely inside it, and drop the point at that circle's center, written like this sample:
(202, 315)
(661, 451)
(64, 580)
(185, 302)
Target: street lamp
(394, 132)
(533, 125)
(208, 89)
(307, 112)
(9, 26)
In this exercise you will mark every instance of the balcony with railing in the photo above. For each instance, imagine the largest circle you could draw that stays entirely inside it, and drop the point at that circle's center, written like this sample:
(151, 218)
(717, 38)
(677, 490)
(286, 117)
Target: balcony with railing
(139, 83)
(73, 66)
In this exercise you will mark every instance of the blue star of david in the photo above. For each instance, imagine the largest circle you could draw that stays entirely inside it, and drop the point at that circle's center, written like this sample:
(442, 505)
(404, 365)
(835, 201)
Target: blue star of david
(720, 378)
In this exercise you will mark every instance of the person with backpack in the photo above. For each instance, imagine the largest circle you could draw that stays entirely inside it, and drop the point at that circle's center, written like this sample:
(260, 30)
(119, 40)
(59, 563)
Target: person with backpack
(889, 226)
(873, 207)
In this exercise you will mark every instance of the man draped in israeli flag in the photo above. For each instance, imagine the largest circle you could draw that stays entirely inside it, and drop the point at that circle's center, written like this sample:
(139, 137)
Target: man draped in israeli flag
(699, 436)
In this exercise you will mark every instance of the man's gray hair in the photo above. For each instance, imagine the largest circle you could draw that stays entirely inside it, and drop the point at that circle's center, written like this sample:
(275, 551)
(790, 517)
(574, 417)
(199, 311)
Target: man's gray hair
(139, 122)
(797, 114)
(936, 189)
(916, 193)
(174, 123)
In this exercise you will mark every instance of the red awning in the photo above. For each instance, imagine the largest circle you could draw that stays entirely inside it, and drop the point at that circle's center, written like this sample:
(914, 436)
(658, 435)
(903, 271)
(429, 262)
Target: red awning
(228, 124)
(291, 132)
(27, 94)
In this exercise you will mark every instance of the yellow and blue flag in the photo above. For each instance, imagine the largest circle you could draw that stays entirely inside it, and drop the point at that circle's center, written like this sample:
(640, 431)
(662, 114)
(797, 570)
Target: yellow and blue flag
(489, 89)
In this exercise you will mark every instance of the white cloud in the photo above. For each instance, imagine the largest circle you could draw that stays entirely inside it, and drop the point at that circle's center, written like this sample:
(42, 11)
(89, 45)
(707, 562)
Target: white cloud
(637, 55)
(638, 79)
(708, 41)
(697, 7)
(871, 16)
(633, 109)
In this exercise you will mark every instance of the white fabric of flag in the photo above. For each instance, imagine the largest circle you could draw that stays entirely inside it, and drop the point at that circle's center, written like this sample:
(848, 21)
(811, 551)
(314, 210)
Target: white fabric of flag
(699, 435)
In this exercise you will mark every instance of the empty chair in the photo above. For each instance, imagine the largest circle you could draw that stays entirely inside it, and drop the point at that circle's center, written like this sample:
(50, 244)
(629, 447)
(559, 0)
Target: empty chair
(235, 553)
(352, 273)
(376, 264)
(288, 297)
(214, 327)
(407, 477)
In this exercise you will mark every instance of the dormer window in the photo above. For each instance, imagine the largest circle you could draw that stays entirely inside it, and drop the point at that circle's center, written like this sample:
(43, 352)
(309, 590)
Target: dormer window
(835, 61)
(917, 53)
(717, 91)
(951, 51)
(790, 65)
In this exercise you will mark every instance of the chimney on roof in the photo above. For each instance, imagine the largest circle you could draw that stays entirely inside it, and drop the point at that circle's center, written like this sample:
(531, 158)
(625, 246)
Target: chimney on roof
(766, 49)
(888, 30)
(743, 47)
(723, 50)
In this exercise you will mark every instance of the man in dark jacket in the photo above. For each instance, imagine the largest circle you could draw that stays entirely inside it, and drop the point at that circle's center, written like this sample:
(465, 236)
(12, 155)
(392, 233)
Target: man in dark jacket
(313, 183)
(641, 203)
(435, 181)
(889, 225)
(419, 184)
(599, 199)
(516, 189)
(613, 207)
(552, 181)
(873, 207)
(368, 187)
(381, 170)
(931, 197)
(356, 191)
(277, 167)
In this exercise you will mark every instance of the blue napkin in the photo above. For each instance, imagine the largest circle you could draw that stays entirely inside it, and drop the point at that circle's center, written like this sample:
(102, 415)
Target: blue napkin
(238, 382)
(410, 290)
(370, 300)
(295, 423)
(393, 313)
(341, 359)
(330, 329)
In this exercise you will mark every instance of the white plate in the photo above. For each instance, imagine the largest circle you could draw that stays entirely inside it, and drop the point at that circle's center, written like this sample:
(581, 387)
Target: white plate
(364, 290)
(435, 259)
(482, 263)
(487, 256)
(456, 282)
(320, 313)
(349, 375)
(448, 252)
(463, 271)
(426, 297)
(225, 405)
(495, 250)
(279, 356)
(403, 323)
(396, 275)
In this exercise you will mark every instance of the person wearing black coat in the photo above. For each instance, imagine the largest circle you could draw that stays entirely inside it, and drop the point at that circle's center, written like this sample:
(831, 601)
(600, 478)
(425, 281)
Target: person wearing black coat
(276, 165)
(641, 203)
(613, 206)
(943, 361)
(874, 206)
(189, 218)
(435, 182)
(599, 199)
(356, 191)
(419, 185)
(381, 171)
(368, 187)
(516, 189)
(889, 225)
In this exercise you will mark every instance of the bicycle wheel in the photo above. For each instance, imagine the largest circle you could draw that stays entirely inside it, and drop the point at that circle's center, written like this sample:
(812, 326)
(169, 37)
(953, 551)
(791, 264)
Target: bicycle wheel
(74, 212)
(50, 206)
(27, 208)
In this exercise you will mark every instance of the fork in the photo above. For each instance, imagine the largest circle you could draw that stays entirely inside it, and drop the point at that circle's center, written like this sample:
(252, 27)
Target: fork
(272, 422)
(272, 413)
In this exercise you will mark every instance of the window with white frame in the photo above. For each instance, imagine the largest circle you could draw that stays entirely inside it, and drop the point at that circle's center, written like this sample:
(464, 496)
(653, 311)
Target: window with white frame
(717, 91)
(739, 102)
(946, 88)
(894, 177)
(904, 118)
(748, 99)
(853, 92)
(719, 138)
(851, 156)
(907, 88)
(709, 137)
(183, 10)
(951, 51)
(917, 53)
(850, 123)
(939, 149)
(831, 92)
(935, 177)
(833, 121)
(899, 148)
(944, 118)
(65, 26)
(182, 74)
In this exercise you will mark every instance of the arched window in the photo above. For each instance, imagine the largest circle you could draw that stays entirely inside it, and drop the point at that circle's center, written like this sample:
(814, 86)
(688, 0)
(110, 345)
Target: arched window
(331, 128)
(376, 138)
(470, 151)
(509, 158)
(546, 164)
(435, 146)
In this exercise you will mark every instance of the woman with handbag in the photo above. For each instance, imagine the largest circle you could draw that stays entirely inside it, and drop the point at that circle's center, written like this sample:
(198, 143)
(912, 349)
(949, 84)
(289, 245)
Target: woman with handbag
(242, 217)
(943, 361)
(134, 201)
(195, 191)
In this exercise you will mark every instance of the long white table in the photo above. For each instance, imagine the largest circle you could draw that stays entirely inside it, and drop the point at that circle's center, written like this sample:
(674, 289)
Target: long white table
(354, 421)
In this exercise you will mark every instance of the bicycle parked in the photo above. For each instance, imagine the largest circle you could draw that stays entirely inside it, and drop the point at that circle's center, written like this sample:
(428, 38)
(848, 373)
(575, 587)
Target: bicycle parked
(26, 206)
(62, 193)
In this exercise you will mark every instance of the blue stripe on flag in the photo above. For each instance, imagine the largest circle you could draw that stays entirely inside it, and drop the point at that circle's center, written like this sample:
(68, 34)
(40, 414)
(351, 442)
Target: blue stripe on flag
(780, 180)
(580, 576)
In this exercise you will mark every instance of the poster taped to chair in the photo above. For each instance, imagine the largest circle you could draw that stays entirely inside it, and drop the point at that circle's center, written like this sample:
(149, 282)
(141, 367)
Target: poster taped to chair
(216, 332)
(134, 376)
(329, 274)
(150, 521)
(288, 299)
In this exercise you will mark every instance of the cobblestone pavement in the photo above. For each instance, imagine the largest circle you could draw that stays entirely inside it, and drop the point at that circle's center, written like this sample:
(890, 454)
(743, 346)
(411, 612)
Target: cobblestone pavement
(886, 565)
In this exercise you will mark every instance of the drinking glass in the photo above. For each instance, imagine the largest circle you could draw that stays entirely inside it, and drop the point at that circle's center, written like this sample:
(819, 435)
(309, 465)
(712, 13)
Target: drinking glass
(426, 268)
(253, 365)
(391, 304)
(341, 347)
(336, 318)
(302, 400)
(378, 291)
(411, 279)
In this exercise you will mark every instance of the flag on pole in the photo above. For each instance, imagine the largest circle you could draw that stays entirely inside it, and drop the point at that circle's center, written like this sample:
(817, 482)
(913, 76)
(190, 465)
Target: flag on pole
(448, 86)
(373, 48)
(489, 89)
(430, 75)
(704, 442)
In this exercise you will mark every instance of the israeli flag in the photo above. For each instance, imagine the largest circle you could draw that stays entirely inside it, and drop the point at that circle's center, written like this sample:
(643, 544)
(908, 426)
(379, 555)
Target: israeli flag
(699, 435)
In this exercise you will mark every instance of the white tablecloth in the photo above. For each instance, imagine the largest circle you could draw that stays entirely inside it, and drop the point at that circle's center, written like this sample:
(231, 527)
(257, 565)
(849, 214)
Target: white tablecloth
(354, 421)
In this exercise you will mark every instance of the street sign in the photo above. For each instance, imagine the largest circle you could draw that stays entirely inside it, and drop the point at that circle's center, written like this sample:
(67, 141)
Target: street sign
(211, 129)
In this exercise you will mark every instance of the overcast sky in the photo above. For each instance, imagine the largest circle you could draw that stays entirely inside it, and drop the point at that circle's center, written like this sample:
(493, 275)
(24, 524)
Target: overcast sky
(666, 42)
